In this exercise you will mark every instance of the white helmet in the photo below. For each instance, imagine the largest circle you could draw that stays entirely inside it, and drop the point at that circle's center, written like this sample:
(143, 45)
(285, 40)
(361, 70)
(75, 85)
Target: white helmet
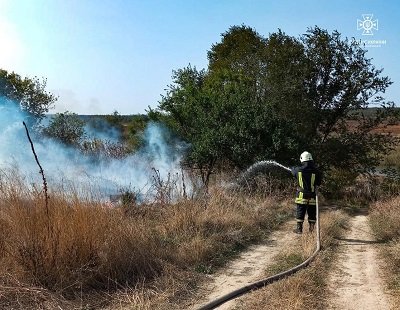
(305, 156)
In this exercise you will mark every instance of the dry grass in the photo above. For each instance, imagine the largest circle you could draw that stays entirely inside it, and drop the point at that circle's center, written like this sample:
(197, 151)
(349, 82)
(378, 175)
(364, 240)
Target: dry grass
(385, 223)
(84, 254)
(307, 288)
(392, 159)
(385, 219)
(365, 189)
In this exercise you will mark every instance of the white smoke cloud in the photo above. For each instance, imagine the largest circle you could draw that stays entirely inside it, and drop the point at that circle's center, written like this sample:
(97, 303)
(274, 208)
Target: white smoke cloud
(100, 129)
(66, 166)
(68, 100)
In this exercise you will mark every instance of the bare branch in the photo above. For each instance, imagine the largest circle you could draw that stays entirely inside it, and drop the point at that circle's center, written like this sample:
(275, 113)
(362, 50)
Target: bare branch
(46, 197)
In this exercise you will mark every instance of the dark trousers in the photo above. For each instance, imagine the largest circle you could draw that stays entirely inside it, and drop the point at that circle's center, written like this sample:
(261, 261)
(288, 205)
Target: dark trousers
(301, 211)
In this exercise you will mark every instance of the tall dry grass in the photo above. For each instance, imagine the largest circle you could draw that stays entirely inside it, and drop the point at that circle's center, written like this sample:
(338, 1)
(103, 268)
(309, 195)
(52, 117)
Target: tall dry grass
(82, 248)
(385, 219)
(307, 288)
(77, 247)
(385, 223)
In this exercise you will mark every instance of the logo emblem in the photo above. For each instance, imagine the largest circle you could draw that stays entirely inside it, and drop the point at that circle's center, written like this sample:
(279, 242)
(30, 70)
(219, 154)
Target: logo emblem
(367, 24)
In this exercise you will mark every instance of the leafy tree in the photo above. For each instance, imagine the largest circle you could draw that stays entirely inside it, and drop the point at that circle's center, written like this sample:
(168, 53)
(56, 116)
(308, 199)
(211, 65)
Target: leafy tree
(188, 110)
(29, 93)
(222, 112)
(276, 97)
(66, 127)
(340, 84)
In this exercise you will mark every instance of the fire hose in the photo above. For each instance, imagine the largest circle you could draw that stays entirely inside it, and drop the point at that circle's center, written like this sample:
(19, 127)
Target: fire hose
(262, 283)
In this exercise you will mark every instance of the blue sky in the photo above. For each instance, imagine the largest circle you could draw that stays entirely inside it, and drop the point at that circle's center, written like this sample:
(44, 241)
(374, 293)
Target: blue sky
(100, 56)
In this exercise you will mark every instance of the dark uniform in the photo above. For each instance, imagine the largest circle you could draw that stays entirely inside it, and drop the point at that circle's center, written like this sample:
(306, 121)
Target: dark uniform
(308, 177)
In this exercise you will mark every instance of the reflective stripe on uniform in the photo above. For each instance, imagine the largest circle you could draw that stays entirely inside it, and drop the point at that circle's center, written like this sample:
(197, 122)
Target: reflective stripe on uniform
(302, 201)
(312, 182)
(300, 174)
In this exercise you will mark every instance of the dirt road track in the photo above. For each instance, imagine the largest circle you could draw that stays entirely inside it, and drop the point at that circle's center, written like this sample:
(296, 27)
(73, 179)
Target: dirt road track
(248, 267)
(356, 281)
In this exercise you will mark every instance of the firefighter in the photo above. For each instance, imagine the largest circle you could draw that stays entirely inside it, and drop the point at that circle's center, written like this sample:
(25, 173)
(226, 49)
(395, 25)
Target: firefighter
(308, 177)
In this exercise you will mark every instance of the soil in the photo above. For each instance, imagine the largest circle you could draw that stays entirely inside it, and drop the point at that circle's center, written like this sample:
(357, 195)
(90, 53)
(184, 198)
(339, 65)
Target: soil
(356, 281)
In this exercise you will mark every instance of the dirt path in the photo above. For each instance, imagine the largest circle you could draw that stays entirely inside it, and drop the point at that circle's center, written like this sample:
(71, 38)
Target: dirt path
(356, 282)
(247, 268)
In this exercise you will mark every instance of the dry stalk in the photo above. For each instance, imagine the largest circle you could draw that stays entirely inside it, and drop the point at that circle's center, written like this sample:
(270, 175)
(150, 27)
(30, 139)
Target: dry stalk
(46, 197)
(183, 185)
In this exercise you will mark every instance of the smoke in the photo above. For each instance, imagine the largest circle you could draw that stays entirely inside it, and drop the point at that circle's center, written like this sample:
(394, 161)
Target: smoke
(67, 168)
(100, 129)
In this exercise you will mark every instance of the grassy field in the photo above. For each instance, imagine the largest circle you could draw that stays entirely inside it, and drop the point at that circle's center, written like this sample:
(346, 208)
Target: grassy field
(79, 252)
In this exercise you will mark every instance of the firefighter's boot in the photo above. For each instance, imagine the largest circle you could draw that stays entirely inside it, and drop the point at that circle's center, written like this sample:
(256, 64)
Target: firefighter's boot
(311, 227)
(299, 228)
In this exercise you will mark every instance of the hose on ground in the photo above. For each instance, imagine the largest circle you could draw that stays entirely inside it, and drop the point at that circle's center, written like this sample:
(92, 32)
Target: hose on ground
(261, 283)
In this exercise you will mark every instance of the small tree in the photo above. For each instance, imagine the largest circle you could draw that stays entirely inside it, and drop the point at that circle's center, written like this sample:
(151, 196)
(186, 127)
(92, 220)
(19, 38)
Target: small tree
(29, 93)
(66, 127)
